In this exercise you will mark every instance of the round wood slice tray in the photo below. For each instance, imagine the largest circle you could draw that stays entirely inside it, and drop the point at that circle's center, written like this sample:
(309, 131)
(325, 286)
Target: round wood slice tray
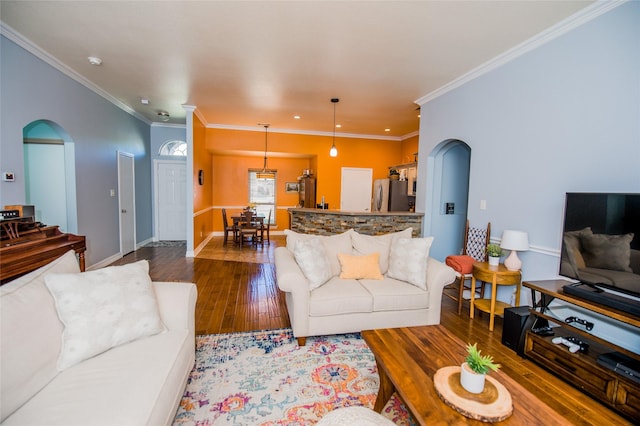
(492, 405)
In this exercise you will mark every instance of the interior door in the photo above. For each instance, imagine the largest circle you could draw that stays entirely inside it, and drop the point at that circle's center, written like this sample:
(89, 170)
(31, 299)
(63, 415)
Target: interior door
(355, 189)
(171, 200)
(126, 202)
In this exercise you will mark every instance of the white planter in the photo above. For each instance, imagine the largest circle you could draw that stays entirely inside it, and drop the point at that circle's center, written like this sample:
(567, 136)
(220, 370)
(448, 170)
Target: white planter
(494, 261)
(472, 382)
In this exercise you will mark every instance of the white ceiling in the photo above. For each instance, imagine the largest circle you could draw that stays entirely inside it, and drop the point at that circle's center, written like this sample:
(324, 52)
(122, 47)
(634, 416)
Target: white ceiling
(247, 62)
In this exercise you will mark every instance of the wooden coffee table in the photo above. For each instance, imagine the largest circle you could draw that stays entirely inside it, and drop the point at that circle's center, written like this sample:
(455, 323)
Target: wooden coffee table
(407, 359)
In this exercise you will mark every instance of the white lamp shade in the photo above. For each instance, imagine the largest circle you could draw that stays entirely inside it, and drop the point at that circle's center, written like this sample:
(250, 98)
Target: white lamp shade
(515, 240)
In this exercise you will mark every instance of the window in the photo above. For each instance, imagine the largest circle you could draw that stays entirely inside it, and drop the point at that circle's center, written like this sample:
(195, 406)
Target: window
(174, 148)
(262, 192)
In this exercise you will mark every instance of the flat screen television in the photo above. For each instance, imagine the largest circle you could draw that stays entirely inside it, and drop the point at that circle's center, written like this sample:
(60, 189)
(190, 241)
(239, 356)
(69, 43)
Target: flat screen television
(601, 241)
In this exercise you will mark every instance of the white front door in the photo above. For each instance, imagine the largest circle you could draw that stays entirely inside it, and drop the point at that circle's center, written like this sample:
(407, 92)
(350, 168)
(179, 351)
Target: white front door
(171, 200)
(126, 202)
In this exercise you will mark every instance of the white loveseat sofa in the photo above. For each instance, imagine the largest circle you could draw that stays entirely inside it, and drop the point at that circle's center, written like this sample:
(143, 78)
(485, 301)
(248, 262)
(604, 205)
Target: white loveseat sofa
(344, 305)
(136, 383)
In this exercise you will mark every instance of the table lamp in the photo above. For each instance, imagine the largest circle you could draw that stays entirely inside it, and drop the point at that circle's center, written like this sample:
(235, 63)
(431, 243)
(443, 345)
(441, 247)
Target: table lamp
(514, 241)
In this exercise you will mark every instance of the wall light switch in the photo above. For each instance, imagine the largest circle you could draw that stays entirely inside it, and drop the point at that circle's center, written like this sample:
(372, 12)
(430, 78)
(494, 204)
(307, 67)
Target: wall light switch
(483, 204)
(112, 192)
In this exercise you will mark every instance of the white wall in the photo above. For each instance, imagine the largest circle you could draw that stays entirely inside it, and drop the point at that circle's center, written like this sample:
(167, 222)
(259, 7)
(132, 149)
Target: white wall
(563, 117)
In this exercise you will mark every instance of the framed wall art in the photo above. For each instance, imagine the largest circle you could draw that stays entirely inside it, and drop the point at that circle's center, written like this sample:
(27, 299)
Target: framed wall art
(291, 187)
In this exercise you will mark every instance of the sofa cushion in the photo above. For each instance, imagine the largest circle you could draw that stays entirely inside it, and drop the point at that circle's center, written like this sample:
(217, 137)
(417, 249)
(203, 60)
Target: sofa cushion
(607, 251)
(358, 267)
(312, 260)
(394, 295)
(103, 308)
(339, 296)
(31, 334)
(408, 260)
(333, 244)
(139, 383)
(367, 244)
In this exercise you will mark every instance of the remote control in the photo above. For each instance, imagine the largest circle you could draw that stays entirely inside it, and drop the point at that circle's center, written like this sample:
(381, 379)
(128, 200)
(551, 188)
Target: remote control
(573, 348)
(543, 331)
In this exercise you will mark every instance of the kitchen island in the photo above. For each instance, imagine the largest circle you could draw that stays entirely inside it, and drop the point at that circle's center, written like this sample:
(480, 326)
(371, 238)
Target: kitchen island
(329, 222)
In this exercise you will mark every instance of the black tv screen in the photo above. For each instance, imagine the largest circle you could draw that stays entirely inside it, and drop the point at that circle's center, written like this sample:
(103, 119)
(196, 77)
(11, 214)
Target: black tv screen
(601, 240)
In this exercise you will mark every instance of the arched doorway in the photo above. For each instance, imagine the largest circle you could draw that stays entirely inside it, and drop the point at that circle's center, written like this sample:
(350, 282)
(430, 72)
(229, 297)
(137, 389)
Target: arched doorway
(50, 178)
(447, 202)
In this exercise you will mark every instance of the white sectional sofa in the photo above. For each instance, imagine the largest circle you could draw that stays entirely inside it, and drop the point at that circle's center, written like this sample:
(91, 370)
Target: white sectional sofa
(139, 382)
(404, 290)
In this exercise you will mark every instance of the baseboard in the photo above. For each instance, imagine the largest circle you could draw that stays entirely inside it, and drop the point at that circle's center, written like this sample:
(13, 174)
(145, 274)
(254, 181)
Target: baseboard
(105, 262)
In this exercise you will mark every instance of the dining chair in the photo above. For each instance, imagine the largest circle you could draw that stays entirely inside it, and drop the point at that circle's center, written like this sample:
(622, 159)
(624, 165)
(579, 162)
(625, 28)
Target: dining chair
(247, 228)
(474, 249)
(228, 228)
(264, 228)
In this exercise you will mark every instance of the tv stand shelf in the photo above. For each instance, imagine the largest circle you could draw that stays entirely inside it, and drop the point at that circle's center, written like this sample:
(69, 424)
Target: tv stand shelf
(581, 369)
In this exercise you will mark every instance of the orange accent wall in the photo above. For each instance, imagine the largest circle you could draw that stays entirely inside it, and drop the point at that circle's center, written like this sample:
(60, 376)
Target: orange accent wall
(202, 194)
(409, 148)
(233, 152)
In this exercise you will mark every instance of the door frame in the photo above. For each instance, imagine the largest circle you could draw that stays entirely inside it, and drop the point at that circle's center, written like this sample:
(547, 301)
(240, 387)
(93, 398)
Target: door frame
(434, 201)
(123, 155)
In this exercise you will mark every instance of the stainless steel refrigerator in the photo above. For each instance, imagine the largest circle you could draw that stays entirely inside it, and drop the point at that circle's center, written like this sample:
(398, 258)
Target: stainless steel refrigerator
(390, 195)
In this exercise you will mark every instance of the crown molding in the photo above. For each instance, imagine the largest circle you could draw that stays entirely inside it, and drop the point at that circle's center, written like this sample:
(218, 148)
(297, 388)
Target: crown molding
(43, 55)
(303, 132)
(172, 125)
(579, 18)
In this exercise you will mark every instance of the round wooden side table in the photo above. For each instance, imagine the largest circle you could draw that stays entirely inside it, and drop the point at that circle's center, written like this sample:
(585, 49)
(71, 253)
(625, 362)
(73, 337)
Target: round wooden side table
(496, 275)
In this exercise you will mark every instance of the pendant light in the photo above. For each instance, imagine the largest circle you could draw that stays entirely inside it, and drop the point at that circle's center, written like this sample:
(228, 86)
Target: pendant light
(333, 152)
(264, 174)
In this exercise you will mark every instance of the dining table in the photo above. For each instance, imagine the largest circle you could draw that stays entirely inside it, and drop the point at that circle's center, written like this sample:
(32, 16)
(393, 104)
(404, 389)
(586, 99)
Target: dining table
(240, 217)
(237, 218)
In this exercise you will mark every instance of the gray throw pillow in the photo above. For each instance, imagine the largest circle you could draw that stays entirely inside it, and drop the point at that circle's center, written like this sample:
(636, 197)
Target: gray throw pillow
(607, 251)
(572, 249)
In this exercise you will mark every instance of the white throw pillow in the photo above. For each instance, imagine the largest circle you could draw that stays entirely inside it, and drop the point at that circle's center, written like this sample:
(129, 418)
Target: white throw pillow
(103, 308)
(313, 261)
(408, 260)
(368, 244)
(333, 244)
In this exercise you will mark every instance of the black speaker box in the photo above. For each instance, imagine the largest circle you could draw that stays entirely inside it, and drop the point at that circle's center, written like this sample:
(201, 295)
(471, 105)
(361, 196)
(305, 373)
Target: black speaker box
(513, 327)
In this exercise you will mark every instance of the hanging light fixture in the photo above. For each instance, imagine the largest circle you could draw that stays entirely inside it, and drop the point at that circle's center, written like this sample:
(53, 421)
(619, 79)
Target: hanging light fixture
(333, 152)
(265, 174)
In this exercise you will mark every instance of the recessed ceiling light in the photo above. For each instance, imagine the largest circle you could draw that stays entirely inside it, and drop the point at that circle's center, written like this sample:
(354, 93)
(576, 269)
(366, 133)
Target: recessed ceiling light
(297, 117)
(144, 101)
(338, 126)
(387, 130)
(94, 60)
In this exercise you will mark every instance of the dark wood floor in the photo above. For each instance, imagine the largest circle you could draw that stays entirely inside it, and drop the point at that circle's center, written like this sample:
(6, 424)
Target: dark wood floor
(242, 295)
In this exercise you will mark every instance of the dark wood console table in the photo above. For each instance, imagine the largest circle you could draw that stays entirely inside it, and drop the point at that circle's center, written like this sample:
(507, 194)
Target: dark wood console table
(25, 254)
(581, 368)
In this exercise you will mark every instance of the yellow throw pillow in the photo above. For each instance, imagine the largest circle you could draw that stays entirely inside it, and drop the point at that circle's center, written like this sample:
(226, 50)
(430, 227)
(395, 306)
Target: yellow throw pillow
(360, 267)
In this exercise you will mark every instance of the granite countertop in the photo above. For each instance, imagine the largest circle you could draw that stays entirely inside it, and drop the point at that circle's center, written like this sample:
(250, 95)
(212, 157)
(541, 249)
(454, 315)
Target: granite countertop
(347, 213)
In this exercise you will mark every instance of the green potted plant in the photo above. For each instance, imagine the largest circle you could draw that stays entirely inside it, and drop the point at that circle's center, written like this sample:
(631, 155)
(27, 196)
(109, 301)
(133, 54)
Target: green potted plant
(394, 174)
(475, 368)
(494, 252)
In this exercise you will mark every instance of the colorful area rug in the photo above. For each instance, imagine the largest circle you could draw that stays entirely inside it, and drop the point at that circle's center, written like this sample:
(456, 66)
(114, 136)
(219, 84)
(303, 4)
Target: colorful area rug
(265, 378)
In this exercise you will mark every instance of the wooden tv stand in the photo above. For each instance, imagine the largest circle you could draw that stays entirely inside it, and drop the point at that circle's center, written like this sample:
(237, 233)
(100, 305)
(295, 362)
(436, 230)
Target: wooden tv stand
(581, 369)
